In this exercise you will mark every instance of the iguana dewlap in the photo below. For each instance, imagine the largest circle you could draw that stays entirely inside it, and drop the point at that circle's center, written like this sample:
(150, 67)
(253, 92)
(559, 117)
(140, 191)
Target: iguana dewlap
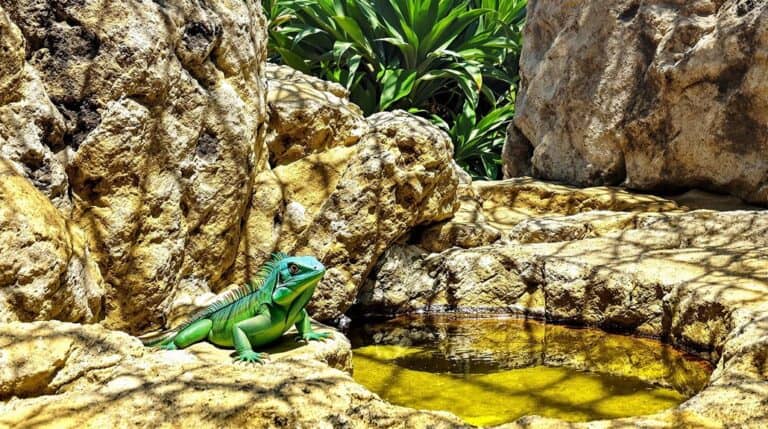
(256, 313)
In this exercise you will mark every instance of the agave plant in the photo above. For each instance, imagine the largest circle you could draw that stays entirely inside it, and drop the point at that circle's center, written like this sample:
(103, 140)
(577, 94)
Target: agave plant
(443, 58)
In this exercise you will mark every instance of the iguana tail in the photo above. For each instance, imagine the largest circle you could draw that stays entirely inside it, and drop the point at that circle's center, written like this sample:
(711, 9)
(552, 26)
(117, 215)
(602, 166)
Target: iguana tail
(159, 338)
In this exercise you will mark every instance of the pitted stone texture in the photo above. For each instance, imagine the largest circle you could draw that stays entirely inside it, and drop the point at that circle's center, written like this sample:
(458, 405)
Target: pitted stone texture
(468, 227)
(46, 269)
(31, 129)
(652, 95)
(308, 115)
(91, 377)
(399, 177)
(156, 111)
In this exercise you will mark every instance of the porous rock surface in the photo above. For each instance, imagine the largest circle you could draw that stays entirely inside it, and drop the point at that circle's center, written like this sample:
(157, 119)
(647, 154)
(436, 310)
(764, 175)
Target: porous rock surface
(346, 204)
(343, 187)
(696, 278)
(46, 269)
(142, 122)
(56, 374)
(308, 115)
(652, 95)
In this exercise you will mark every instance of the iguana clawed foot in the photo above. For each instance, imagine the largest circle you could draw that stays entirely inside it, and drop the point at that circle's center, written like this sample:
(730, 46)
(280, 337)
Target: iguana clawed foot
(313, 336)
(250, 356)
(169, 346)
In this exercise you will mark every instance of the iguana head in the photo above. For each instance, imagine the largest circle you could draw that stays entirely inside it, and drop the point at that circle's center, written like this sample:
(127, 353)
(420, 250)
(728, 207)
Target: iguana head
(296, 274)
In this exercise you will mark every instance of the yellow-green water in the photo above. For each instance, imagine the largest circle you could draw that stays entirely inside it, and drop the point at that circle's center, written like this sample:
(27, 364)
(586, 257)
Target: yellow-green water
(492, 371)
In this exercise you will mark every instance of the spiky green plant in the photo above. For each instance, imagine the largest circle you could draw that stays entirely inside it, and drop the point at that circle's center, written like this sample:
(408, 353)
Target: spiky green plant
(447, 59)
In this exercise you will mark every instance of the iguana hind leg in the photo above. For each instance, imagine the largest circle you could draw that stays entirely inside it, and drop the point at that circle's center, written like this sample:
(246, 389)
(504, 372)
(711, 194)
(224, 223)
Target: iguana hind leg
(254, 327)
(194, 333)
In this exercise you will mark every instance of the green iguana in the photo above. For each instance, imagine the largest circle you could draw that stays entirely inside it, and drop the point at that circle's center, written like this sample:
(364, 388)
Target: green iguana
(256, 313)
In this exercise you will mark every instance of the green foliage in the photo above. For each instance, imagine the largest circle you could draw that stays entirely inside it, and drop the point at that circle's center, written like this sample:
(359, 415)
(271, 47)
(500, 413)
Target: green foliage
(451, 60)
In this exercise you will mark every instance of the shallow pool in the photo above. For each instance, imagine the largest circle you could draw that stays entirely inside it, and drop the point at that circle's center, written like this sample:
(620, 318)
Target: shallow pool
(494, 370)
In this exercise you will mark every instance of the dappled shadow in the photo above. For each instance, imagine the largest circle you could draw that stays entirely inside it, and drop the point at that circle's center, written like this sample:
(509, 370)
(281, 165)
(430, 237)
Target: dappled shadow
(109, 377)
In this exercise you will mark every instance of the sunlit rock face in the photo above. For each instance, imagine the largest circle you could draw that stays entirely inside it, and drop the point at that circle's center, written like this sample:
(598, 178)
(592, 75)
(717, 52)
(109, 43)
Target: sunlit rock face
(346, 204)
(493, 211)
(46, 269)
(143, 123)
(652, 95)
(158, 129)
(308, 115)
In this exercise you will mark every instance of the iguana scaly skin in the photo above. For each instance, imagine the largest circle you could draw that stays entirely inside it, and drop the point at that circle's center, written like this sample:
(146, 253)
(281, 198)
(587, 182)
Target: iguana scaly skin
(257, 313)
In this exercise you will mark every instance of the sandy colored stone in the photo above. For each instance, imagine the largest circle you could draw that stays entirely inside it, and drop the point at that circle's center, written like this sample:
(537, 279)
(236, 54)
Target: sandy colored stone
(528, 210)
(156, 112)
(308, 115)
(652, 95)
(569, 228)
(400, 177)
(307, 184)
(31, 129)
(92, 377)
(347, 204)
(282, 73)
(505, 203)
(261, 230)
(46, 268)
(467, 228)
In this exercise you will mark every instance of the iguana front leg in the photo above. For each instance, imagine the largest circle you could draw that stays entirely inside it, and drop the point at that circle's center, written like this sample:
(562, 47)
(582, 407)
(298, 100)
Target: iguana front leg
(304, 326)
(251, 326)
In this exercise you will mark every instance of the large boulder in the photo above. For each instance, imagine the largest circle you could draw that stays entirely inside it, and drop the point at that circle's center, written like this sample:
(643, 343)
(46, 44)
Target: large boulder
(348, 204)
(46, 269)
(652, 94)
(65, 375)
(156, 112)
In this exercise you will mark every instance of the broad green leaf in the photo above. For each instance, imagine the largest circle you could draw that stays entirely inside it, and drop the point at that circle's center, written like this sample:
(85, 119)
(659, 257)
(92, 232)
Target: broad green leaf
(396, 84)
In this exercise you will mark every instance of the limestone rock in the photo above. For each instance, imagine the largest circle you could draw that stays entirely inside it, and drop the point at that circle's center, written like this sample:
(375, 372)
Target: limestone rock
(527, 210)
(653, 95)
(156, 111)
(46, 269)
(488, 278)
(277, 74)
(467, 228)
(505, 203)
(400, 177)
(308, 115)
(92, 377)
(261, 229)
(31, 128)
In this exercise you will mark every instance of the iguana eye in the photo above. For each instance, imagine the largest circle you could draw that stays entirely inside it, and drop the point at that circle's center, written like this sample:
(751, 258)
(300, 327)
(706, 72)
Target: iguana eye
(293, 268)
